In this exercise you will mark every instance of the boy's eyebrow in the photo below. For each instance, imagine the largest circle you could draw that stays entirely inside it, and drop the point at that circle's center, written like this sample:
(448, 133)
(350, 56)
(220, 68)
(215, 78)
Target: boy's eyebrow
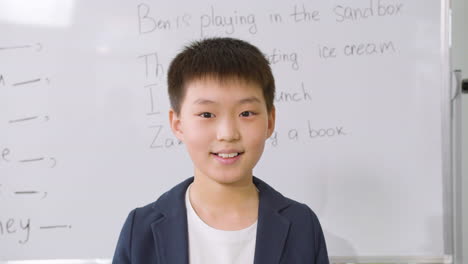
(203, 101)
(252, 99)
(248, 100)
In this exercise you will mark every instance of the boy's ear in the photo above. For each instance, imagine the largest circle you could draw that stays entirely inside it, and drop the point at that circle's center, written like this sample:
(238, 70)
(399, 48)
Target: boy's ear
(271, 121)
(174, 121)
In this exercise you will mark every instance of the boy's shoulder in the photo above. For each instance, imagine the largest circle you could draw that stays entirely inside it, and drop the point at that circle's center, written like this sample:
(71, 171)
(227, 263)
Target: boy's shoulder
(172, 200)
(284, 226)
(172, 203)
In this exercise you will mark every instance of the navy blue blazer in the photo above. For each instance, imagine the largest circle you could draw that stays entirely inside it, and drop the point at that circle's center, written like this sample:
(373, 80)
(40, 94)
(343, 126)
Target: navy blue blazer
(287, 231)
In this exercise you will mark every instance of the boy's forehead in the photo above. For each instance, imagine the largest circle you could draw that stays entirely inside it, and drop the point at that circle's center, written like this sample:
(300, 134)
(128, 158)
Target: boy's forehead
(222, 84)
(230, 86)
(226, 87)
(220, 81)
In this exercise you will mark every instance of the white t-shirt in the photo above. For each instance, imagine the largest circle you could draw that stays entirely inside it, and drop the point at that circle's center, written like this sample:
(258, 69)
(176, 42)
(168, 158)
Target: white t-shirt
(209, 245)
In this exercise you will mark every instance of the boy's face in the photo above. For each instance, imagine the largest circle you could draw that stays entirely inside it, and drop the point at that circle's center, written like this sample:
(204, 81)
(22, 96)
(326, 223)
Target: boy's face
(224, 126)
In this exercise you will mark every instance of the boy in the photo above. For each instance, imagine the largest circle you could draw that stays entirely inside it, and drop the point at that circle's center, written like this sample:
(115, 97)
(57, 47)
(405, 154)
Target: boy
(221, 92)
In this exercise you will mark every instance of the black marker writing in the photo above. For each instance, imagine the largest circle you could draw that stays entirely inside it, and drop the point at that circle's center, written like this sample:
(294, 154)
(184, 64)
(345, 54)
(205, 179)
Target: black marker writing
(44, 194)
(325, 132)
(37, 45)
(23, 119)
(27, 82)
(26, 192)
(326, 52)
(283, 96)
(16, 47)
(26, 227)
(276, 18)
(303, 15)
(156, 135)
(227, 23)
(10, 227)
(5, 153)
(150, 89)
(311, 133)
(349, 13)
(53, 162)
(168, 142)
(32, 160)
(148, 24)
(357, 49)
(368, 48)
(274, 139)
(277, 56)
(55, 226)
(293, 134)
(152, 66)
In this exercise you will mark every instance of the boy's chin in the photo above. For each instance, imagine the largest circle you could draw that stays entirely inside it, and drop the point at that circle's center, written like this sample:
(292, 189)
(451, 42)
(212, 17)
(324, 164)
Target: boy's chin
(232, 180)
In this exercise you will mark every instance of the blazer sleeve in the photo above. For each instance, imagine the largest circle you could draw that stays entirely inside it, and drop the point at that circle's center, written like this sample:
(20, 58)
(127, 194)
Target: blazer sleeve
(123, 250)
(320, 250)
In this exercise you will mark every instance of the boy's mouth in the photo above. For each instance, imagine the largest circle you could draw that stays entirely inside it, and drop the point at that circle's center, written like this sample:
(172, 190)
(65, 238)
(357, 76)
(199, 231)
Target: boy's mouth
(228, 155)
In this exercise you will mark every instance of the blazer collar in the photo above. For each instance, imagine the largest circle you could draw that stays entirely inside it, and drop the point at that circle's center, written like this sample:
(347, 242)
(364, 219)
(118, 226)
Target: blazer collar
(171, 234)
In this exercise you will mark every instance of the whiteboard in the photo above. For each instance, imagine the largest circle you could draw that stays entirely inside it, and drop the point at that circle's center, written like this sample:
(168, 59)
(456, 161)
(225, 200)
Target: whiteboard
(84, 135)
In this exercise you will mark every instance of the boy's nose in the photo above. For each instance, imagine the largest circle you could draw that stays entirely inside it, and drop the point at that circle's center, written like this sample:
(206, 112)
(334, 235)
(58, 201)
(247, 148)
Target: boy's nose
(228, 130)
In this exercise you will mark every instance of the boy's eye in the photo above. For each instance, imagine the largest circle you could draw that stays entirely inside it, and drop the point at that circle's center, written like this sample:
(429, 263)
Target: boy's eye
(206, 115)
(247, 113)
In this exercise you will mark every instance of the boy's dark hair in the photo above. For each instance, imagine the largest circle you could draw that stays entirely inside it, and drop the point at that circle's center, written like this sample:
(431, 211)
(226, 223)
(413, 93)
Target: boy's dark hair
(221, 58)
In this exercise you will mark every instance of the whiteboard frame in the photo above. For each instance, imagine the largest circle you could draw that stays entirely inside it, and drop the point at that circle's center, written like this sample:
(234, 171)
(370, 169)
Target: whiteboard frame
(451, 161)
(456, 125)
(450, 138)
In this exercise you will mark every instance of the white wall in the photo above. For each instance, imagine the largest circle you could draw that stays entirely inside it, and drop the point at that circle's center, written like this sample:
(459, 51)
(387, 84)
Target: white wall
(460, 35)
(460, 61)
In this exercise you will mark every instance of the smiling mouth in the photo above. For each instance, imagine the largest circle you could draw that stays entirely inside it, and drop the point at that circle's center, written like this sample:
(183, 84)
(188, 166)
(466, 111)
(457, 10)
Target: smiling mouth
(228, 155)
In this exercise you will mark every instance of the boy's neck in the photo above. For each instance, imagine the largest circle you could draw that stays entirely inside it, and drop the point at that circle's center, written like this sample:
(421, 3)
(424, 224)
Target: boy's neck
(225, 206)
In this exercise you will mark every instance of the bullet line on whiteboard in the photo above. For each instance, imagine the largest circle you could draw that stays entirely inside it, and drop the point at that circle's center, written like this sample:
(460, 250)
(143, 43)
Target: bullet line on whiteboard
(31, 160)
(27, 192)
(56, 226)
(27, 82)
(23, 119)
(15, 47)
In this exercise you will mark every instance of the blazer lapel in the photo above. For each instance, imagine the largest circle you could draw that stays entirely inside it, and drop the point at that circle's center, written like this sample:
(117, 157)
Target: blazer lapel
(171, 239)
(272, 228)
(170, 228)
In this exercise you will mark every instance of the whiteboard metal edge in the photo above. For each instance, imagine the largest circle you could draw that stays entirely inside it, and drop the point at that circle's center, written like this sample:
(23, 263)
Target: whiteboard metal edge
(393, 259)
(449, 193)
(457, 167)
(336, 260)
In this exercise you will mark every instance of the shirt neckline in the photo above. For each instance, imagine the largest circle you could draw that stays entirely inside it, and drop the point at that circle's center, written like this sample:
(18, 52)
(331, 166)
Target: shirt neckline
(245, 233)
